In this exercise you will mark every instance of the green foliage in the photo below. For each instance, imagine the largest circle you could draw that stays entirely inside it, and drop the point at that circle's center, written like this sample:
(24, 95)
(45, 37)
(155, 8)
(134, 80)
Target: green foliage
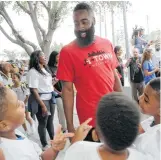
(17, 8)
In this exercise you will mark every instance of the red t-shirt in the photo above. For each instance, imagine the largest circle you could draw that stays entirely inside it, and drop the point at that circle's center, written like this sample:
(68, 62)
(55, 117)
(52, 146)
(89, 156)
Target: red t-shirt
(91, 70)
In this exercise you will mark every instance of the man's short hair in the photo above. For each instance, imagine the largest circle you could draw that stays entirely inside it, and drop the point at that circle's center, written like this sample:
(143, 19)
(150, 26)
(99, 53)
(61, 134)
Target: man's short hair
(118, 120)
(3, 103)
(84, 6)
(137, 49)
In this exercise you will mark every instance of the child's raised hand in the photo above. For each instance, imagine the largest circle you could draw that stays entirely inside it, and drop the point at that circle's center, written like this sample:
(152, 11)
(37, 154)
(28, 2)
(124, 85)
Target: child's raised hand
(60, 139)
(82, 131)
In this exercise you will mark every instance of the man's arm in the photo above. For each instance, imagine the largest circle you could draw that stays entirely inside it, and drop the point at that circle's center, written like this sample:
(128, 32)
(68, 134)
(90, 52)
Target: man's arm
(68, 103)
(117, 83)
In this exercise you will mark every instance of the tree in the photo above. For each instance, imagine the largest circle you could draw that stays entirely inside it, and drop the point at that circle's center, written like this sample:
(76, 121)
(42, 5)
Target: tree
(13, 55)
(56, 47)
(110, 6)
(56, 11)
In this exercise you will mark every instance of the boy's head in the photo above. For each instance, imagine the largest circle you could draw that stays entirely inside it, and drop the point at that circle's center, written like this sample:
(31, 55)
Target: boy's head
(150, 99)
(22, 70)
(16, 78)
(135, 52)
(5, 67)
(12, 111)
(118, 120)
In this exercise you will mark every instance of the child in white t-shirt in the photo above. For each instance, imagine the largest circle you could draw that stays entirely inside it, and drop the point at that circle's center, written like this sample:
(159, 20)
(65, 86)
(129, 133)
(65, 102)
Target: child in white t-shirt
(117, 123)
(150, 104)
(22, 93)
(14, 145)
(149, 142)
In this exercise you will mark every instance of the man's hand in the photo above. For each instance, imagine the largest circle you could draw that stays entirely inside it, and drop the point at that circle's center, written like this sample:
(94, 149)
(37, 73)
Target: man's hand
(157, 69)
(56, 145)
(60, 139)
(82, 131)
(139, 65)
(44, 111)
(129, 60)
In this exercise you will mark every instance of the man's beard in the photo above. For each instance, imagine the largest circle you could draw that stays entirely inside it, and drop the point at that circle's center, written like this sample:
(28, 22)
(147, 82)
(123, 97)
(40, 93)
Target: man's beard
(88, 36)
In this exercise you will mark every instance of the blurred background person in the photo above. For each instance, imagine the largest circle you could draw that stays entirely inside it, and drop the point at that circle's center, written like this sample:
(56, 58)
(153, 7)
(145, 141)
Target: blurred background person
(118, 51)
(53, 65)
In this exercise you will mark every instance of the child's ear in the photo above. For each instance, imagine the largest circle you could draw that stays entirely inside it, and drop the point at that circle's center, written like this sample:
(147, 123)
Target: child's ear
(4, 126)
(95, 136)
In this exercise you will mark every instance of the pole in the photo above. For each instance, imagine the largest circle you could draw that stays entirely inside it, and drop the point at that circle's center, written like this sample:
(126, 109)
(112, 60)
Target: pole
(125, 30)
(126, 38)
(113, 27)
(105, 22)
(147, 20)
(100, 14)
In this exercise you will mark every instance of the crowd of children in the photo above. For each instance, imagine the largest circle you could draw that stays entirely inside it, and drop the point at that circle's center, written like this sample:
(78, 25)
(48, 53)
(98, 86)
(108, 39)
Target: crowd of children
(118, 120)
(119, 134)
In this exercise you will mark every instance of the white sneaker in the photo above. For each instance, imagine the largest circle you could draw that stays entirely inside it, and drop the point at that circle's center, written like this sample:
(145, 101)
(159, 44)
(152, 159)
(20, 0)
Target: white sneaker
(46, 147)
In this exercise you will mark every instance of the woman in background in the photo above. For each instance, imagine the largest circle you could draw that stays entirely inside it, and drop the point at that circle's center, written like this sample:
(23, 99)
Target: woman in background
(120, 68)
(147, 66)
(53, 64)
(41, 87)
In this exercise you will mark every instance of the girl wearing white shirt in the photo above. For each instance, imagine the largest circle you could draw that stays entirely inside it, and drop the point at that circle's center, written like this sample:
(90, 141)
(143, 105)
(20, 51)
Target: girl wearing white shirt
(39, 81)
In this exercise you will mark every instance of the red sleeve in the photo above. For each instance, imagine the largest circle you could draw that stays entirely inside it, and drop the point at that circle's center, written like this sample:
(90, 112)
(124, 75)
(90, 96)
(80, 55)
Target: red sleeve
(115, 61)
(65, 70)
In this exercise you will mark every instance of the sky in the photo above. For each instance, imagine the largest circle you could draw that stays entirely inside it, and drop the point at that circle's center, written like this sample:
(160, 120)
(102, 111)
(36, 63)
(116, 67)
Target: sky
(137, 14)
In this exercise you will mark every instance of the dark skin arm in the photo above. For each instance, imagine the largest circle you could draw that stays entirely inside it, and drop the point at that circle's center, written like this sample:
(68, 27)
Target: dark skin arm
(26, 99)
(39, 101)
(117, 83)
(68, 102)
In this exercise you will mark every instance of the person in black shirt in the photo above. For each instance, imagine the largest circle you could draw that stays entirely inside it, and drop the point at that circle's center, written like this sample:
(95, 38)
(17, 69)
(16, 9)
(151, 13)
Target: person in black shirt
(52, 64)
(136, 74)
(120, 68)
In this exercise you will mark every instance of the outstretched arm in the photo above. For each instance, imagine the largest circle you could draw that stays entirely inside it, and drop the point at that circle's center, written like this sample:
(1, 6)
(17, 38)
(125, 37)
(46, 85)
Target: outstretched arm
(57, 144)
